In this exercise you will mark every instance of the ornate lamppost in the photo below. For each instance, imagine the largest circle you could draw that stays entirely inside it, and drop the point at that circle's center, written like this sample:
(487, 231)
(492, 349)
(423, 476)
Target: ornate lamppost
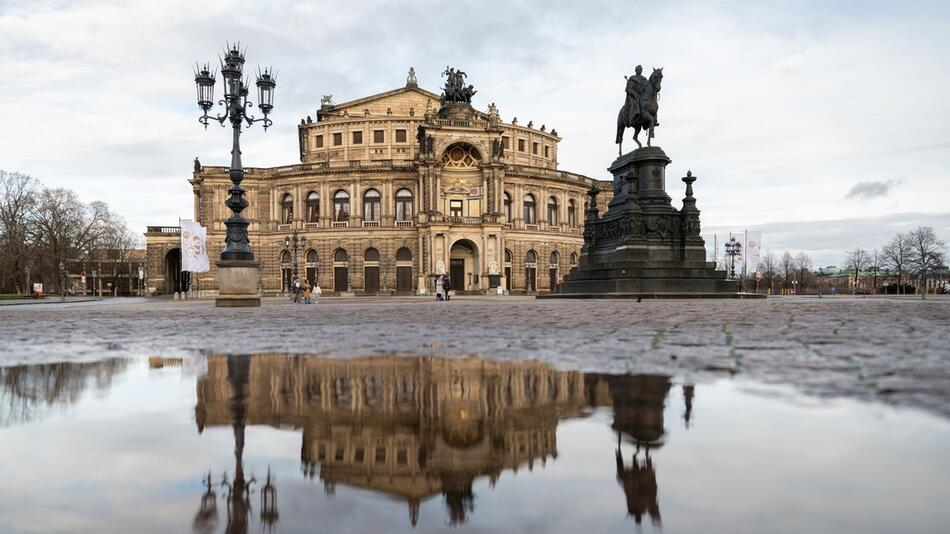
(293, 243)
(733, 249)
(237, 269)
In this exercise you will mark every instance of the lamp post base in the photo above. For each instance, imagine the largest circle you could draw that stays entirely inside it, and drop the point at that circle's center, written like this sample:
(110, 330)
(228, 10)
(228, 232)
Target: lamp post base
(237, 284)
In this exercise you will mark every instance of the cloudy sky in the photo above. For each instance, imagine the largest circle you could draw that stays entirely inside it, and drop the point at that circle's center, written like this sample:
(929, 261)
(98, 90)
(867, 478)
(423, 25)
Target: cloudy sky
(824, 124)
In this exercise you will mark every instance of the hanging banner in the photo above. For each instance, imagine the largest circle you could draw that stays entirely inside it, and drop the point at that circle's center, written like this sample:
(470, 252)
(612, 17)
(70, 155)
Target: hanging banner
(194, 254)
(753, 249)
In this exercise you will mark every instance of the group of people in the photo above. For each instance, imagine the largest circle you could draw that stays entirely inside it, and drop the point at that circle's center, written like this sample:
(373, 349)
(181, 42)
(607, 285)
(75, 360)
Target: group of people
(304, 293)
(443, 286)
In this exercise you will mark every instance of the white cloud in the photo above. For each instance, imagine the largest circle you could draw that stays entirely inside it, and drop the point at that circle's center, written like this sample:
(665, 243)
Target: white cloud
(777, 107)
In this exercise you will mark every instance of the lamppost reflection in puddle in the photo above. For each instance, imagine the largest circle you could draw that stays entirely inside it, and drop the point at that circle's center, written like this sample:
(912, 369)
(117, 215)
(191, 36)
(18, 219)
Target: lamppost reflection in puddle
(239, 489)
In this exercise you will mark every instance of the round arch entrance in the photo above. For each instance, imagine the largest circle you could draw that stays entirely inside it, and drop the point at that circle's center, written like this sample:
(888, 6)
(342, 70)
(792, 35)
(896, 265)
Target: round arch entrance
(464, 265)
(176, 281)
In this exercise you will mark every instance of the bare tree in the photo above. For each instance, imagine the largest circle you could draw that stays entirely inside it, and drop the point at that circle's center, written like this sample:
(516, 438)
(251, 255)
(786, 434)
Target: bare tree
(116, 245)
(787, 267)
(18, 193)
(857, 261)
(803, 267)
(63, 229)
(768, 266)
(875, 265)
(926, 254)
(897, 255)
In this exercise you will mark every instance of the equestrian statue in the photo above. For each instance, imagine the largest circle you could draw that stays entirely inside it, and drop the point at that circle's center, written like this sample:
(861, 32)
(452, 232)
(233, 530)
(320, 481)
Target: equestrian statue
(640, 107)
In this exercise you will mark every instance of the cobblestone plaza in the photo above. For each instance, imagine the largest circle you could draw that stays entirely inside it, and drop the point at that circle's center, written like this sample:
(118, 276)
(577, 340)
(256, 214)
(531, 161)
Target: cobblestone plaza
(884, 350)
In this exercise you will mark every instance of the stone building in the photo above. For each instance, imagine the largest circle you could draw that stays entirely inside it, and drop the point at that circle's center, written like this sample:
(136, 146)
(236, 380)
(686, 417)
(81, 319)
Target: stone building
(394, 189)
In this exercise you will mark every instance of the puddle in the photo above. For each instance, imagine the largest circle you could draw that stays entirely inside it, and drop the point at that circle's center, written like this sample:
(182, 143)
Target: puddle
(290, 443)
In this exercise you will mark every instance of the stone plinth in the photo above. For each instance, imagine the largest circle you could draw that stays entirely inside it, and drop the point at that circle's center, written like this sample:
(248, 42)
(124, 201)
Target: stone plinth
(237, 284)
(643, 247)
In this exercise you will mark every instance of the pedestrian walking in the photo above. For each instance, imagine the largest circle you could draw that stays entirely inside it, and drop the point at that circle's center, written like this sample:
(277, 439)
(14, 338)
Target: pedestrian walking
(447, 287)
(295, 291)
(306, 292)
(317, 292)
(439, 287)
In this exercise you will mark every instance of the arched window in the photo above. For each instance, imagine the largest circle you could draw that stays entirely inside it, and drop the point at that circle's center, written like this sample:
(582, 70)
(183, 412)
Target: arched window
(571, 213)
(404, 205)
(313, 207)
(529, 209)
(341, 205)
(531, 257)
(371, 254)
(573, 258)
(552, 211)
(311, 256)
(404, 254)
(371, 205)
(555, 259)
(507, 205)
(340, 256)
(287, 209)
(461, 155)
(507, 256)
(311, 267)
(285, 257)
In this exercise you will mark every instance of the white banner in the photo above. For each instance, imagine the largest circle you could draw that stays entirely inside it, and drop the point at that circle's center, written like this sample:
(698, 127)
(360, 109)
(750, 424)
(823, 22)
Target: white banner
(194, 255)
(753, 249)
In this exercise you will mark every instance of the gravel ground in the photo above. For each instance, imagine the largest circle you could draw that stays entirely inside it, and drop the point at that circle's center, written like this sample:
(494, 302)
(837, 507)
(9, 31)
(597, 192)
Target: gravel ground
(890, 350)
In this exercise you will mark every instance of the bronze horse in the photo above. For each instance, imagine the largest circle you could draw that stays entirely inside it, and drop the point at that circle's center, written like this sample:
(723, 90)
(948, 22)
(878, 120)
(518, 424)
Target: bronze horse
(646, 118)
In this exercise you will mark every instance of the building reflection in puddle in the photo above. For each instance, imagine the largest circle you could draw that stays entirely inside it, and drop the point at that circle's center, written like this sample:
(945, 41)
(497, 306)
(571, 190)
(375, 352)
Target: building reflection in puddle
(416, 428)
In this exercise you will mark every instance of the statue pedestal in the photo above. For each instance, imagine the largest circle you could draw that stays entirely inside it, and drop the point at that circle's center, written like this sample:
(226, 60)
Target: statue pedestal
(237, 284)
(643, 247)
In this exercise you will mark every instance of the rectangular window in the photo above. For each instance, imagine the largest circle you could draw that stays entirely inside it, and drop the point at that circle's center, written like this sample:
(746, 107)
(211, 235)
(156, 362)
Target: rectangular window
(379, 136)
(534, 148)
(400, 136)
(547, 151)
(380, 455)
(357, 138)
(319, 140)
(506, 142)
(337, 139)
(455, 208)
(521, 145)
(360, 455)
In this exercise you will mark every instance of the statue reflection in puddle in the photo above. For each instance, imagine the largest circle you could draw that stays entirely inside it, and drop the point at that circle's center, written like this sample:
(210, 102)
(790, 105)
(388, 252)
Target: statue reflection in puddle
(416, 428)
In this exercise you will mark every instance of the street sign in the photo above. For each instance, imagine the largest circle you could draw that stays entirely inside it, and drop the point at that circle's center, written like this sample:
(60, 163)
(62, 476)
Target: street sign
(82, 273)
(141, 272)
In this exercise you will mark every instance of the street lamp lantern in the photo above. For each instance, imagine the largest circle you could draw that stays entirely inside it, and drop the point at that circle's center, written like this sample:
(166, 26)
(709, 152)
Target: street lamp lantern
(204, 81)
(265, 91)
(232, 67)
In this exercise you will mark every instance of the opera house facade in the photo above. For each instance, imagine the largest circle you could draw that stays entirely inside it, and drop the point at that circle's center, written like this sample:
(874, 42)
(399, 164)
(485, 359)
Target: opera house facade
(393, 190)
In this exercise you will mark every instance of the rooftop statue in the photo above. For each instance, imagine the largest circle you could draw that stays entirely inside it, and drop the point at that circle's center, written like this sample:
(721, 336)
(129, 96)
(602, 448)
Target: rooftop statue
(639, 110)
(455, 90)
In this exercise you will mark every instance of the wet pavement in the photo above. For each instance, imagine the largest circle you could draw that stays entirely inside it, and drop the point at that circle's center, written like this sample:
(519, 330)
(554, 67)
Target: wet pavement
(476, 415)
(894, 351)
(302, 443)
